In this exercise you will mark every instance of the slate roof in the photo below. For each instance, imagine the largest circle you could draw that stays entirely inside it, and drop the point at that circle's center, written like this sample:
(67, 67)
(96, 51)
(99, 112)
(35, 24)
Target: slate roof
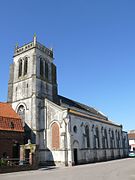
(71, 104)
(9, 119)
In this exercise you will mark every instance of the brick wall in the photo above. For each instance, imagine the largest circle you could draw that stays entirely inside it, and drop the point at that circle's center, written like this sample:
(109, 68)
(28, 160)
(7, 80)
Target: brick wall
(7, 140)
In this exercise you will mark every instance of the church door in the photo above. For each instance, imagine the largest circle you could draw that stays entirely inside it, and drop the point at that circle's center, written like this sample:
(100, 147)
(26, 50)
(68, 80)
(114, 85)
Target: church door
(75, 157)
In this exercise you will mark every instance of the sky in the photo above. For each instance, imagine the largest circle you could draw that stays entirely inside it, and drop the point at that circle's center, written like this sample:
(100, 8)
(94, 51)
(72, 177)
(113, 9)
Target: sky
(94, 49)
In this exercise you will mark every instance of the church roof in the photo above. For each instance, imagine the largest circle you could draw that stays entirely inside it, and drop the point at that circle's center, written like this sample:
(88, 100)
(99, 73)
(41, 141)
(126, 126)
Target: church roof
(84, 110)
(74, 105)
(9, 119)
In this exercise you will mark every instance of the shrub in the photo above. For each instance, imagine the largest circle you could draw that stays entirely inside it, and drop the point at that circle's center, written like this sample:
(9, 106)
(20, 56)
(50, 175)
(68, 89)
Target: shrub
(3, 162)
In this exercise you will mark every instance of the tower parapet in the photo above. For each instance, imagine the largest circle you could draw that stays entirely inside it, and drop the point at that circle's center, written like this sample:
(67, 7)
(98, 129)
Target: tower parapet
(34, 44)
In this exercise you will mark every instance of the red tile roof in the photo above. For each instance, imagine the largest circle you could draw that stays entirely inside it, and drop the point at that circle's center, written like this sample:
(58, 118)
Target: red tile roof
(131, 136)
(9, 119)
(6, 110)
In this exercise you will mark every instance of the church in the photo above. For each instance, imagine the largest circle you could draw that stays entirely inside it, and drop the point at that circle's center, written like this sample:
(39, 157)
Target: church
(65, 132)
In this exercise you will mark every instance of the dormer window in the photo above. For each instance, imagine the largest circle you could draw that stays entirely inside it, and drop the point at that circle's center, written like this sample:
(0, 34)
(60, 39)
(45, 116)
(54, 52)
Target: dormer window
(11, 125)
(20, 68)
(25, 66)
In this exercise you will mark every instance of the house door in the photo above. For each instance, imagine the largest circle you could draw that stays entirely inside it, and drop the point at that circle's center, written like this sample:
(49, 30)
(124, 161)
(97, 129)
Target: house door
(27, 153)
(15, 150)
(75, 157)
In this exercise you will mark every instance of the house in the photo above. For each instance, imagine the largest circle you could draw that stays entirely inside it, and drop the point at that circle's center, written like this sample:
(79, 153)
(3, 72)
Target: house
(131, 137)
(11, 131)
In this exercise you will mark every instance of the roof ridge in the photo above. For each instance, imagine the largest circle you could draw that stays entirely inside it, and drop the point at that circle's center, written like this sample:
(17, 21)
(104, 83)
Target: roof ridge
(10, 117)
(84, 107)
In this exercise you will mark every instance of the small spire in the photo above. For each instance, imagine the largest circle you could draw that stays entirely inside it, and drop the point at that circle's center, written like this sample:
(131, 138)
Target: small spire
(16, 46)
(35, 39)
(51, 49)
(35, 35)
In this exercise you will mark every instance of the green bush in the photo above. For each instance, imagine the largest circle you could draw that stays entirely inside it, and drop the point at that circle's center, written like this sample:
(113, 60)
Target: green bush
(3, 162)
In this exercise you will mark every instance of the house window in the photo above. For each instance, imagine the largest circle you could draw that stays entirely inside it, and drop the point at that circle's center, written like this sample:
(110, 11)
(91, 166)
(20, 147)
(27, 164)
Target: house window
(87, 136)
(4, 155)
(25, 66)
(11, 125)
(20, 68)
(55, 136)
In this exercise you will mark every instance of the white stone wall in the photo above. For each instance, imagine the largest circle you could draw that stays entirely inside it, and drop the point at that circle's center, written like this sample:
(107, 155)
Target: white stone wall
(24, 88)
(31, 89)
(57, 114)
(79, 138)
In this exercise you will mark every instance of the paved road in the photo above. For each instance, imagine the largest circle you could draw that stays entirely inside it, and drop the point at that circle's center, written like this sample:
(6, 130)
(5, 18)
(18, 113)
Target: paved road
(123, 169)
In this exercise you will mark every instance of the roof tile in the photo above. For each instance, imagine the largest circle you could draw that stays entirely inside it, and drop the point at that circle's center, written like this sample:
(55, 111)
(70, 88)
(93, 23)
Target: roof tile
(9, 119)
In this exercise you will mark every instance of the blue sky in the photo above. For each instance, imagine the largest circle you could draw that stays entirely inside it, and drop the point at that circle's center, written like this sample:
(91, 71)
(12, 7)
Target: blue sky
(94, 49)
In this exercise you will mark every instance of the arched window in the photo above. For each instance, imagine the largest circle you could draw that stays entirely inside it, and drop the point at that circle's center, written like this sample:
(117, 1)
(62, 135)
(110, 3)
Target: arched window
(106, 139)
(118, 140)
(20, 68)
(25, 66)
(46, 70)
(116, 135)
(111, 133)
(113, 141)
(103, 137)
(97, 138)
(124, 142)
(41, 68)
(87, 136)
(94, 136)
(75, 129)
(53, 67)
(110, 138)
(21, 113)
(55, 136)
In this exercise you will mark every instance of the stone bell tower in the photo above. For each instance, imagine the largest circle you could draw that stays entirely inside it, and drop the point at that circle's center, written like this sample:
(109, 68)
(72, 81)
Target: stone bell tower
(32, 79)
